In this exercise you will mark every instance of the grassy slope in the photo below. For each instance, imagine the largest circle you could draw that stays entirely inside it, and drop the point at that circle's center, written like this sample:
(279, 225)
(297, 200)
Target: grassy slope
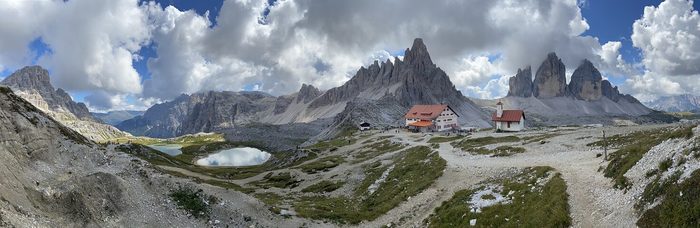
(547, 207)
(680, 206)
(633, 147)
(476, 145)
(414, 170)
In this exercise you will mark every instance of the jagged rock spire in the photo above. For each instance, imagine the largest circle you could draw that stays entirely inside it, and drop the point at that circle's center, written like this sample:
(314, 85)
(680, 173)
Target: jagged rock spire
(520, 85)
(550, 80)
(586, 82)
(418, 55)
(307, 93)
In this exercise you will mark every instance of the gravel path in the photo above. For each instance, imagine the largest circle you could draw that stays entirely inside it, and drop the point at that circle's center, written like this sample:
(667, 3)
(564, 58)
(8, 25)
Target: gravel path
(592, 199)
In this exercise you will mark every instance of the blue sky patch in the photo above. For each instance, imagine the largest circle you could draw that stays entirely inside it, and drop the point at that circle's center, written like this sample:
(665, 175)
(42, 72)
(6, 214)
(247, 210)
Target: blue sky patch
(38, 49)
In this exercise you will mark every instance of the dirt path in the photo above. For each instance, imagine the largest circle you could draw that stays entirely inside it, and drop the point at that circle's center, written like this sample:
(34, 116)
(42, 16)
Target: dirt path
(197, 175)
(593, 202)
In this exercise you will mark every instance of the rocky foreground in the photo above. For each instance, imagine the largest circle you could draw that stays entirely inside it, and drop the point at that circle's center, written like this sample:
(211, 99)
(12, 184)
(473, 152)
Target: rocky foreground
(51, 176)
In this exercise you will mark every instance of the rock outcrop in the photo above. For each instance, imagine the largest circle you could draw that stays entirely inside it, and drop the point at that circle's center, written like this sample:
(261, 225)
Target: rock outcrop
(586, 82)
(33, 84)
(521, 84)
(116, 117)
(550, 80)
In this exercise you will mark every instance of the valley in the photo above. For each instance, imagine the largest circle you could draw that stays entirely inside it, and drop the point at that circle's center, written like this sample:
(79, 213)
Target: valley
(408, 179)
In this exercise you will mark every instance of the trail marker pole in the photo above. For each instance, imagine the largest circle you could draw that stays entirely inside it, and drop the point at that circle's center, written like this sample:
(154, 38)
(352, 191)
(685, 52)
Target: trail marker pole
(605, 147)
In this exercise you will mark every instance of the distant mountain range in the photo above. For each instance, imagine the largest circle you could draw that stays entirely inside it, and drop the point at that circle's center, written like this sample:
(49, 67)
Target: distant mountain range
(379, 94)
(678, 103)
(115, 117)
(32, 84)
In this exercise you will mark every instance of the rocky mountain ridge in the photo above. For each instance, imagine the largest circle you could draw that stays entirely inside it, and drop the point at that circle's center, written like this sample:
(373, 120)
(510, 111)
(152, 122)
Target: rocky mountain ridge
(200, 112)
(115, 117)
(678, 103)
(33, 84)
(390, 88)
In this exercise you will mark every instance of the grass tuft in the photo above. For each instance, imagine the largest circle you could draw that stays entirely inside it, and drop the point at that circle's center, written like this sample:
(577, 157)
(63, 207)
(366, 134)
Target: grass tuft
(281, 180)
(324, 186)
(443, 139)
(322, 164)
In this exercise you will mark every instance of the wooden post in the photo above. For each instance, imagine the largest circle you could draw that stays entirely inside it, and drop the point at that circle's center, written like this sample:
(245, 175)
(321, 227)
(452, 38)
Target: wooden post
(605, 147)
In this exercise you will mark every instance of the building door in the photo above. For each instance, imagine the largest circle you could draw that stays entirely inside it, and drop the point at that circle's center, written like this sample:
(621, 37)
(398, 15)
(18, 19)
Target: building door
(508, 124)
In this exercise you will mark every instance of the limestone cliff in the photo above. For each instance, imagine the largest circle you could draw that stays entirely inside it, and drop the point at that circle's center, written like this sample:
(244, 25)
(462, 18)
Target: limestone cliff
(33, 84)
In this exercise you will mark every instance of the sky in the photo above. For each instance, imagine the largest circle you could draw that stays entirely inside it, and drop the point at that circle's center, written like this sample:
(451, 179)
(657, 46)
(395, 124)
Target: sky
(131, 54)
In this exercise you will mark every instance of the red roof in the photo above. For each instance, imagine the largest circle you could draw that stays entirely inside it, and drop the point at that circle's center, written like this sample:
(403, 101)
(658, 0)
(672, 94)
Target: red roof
(421, 124)
(509, 116)
(426, 112)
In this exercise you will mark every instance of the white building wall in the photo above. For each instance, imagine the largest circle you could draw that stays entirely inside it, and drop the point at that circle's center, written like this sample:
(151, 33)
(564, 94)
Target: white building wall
(446, 120)
(408, 121)
(514, 126)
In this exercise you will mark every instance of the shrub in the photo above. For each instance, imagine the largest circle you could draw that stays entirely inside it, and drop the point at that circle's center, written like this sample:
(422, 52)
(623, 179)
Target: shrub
(193, 201)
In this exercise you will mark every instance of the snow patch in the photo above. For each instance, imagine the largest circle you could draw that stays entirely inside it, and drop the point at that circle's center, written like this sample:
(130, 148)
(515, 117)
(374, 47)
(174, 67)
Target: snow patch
(374, 186)
(477, 201)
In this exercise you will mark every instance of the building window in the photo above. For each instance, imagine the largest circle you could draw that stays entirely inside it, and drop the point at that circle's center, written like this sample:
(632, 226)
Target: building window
(508, 124)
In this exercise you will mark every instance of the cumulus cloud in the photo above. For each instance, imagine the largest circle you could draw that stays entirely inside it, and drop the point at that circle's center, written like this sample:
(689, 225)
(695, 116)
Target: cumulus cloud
(323, 43)
(472, 70)
(102, 101)
(20, 22)
(494, 88)
(669, 39)
(92, 43)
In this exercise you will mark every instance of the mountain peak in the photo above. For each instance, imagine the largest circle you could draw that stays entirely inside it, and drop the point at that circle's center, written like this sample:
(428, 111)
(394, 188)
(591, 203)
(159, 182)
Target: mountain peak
(418, 55)
(550, 79)
(586, 82)
(30, 77)
(586, 62)
(307, 93)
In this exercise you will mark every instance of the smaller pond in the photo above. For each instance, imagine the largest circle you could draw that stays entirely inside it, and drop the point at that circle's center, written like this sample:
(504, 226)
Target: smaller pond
(170, 149)
(241, 156)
